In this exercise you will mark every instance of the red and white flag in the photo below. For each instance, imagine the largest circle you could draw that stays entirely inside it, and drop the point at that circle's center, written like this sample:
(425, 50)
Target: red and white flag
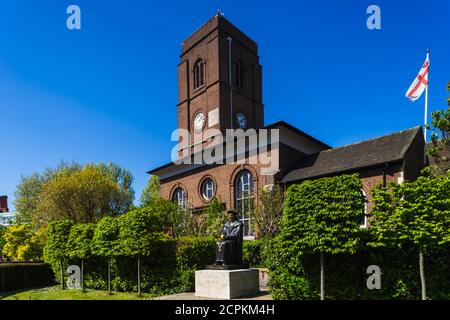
(420, 83)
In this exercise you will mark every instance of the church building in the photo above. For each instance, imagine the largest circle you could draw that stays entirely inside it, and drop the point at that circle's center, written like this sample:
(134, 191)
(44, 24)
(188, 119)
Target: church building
(220, 88)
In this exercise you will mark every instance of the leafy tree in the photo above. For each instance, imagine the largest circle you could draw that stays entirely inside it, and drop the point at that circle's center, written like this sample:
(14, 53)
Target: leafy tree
(448, 93)
(29, 189)
(2, 240)
(106, 242)
(83, 196)
(413, 213)
(439, 149)
(54, 194)
(79, 244)
(151, 191)
(55, 250)
(187, 222)
(322, 216)
(140, 229)
(22, 243)
(122, 198)
(268, 212)
(215, 218)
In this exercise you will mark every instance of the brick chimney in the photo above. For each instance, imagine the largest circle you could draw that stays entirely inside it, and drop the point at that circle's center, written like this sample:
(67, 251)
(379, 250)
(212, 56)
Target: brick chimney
(4, 204)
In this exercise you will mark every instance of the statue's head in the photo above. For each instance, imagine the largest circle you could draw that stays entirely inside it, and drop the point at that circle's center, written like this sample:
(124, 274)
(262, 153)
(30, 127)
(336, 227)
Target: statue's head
(233, 215)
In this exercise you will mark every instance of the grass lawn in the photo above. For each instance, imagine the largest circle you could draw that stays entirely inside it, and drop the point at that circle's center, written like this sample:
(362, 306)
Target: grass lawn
(55, 293)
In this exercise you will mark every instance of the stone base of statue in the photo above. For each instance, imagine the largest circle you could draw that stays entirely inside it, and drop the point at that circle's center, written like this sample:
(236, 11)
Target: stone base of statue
(226, 284)
(228, 266)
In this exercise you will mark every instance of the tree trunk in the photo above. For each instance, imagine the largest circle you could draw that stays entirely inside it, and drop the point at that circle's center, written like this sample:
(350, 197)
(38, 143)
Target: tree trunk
(62, 273)
(109, 276)
(82, 275)
(422, 275)
(139, 275)
(322, 278)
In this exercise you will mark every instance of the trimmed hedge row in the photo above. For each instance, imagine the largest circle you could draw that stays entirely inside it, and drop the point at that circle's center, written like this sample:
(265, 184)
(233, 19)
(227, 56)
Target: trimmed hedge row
(169, 269)
(297, 277)
(18, 276)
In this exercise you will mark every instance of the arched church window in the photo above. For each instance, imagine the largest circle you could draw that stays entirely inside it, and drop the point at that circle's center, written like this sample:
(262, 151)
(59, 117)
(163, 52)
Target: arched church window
(244, 198)
(179, 197)
(199, 74)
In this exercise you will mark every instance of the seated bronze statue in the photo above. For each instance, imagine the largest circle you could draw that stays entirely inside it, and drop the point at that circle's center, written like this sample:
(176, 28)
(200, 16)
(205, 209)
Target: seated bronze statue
(229, 249)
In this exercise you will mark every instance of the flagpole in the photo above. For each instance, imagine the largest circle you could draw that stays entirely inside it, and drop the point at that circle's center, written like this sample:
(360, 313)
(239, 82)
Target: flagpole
(426, 102)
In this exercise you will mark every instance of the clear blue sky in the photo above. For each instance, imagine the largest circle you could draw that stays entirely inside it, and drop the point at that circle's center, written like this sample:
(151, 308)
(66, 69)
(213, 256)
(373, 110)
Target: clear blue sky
(109, 91)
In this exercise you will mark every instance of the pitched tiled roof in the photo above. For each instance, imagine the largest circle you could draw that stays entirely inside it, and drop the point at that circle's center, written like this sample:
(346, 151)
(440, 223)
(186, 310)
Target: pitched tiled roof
(364, 154)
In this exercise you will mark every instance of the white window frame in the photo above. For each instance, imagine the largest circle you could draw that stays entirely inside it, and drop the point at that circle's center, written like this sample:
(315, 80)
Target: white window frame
(247, 194)
(208, 185)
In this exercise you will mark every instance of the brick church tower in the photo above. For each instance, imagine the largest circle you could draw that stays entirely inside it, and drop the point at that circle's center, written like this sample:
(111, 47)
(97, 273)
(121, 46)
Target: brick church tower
(220, 87)
(219, 80)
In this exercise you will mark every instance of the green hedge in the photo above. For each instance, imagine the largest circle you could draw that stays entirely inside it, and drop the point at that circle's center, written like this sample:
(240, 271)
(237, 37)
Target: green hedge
(297, 276)
(18, 276)
(254, 253)
(169, 269)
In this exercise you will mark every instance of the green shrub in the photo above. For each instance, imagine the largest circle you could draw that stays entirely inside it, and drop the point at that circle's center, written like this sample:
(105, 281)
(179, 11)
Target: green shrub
(106, 242)
(253, 252)
(296, 276)
(55, 250)
(79, 241)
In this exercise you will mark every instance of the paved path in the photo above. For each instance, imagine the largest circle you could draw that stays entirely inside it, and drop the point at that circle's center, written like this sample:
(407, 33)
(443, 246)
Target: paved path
(263, 295)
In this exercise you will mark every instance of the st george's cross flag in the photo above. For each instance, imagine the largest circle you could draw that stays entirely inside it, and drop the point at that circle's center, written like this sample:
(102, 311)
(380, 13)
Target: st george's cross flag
(420, 83)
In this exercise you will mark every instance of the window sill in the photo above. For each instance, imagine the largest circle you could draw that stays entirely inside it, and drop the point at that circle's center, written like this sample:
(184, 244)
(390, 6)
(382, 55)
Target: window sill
(203, 86)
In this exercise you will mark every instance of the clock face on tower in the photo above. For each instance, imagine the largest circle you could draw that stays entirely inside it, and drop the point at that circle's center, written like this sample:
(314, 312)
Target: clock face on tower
(241, 120)
(199, 122)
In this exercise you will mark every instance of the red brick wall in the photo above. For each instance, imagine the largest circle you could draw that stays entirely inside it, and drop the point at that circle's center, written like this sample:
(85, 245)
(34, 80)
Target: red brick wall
(209, 44)
(3, 204)
(224, 177)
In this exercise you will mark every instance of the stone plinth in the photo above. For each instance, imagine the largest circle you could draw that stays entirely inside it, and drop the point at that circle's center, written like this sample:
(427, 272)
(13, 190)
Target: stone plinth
(226, 284)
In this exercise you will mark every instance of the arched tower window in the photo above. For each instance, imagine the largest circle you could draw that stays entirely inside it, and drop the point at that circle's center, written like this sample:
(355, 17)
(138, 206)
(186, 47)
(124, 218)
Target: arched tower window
(244, 198)
(179, 197)
(199, 74)
(239, 74)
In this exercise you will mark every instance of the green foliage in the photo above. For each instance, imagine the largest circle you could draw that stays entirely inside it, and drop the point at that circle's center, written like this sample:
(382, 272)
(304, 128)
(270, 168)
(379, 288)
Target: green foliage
(57, 236)
(21, 243)
(405, 217)
(268, 212)
(255, 253)
(448, 93)
(2, 239)
(71, 191)
(55, 250)
(297, 277)
(187, 222)
(320, 216)
(79, 241)
(140, 229)
(323, 215)
(28, 191)
(416, 212)
(121, 199)
(215, 218)
(151, 191)
(106, 241)
(439, 149)
(192, 254)
(83, 196)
